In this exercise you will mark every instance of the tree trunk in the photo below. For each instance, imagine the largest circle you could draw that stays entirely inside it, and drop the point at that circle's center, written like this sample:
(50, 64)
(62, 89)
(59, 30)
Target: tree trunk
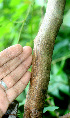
(42, 56)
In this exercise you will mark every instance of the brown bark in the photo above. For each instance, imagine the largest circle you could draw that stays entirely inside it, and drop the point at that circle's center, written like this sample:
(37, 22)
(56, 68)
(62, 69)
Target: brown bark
(42, 56)
(66, 116)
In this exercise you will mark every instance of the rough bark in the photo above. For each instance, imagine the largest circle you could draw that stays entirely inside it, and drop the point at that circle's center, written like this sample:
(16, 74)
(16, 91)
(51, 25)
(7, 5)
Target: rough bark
(42, 56)
(66, 116)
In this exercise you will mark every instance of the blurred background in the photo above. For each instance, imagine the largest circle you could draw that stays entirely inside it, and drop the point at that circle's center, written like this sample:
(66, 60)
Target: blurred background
(19, 23)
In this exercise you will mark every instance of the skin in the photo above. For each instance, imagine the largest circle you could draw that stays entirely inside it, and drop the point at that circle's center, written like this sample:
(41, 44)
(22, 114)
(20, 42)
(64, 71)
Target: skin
(14, 64)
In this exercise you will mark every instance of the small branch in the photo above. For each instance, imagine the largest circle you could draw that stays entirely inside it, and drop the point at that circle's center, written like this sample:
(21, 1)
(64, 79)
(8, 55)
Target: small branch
(65, 116)
(60, 59)
(23, 22)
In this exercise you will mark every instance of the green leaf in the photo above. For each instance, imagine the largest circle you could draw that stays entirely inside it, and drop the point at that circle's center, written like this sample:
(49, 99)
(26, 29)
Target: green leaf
(61, 49)
(65, 89)
(50, 108)
(1, 1)
(21, 97)
(40, 2)
(14, 3)
(66, 20)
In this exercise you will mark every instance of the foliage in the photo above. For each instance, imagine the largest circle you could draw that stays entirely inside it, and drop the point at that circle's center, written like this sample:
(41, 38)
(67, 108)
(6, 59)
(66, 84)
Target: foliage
(50, 108)
(19, 23)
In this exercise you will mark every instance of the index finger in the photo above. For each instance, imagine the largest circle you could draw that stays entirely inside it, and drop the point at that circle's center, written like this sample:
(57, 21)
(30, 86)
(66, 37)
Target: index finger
(10, 53)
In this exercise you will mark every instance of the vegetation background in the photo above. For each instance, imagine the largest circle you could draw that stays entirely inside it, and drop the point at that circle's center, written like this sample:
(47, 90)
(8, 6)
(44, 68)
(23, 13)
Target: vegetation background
(19, 23)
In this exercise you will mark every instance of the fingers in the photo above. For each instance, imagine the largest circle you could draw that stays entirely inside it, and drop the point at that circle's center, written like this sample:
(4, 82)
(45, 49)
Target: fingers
(18, 87)
(14, 63)
(10, 53)
(15, 75)
(4, 103)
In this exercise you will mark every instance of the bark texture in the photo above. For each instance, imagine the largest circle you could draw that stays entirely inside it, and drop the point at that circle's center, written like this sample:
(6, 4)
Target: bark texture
(42, 56)
(66, 116)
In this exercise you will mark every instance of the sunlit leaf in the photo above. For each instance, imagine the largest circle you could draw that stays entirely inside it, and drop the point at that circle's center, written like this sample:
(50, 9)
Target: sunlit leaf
(66, 20)
(50, 108)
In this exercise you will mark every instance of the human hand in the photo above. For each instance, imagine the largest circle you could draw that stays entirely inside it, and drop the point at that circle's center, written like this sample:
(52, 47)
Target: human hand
(14, 63)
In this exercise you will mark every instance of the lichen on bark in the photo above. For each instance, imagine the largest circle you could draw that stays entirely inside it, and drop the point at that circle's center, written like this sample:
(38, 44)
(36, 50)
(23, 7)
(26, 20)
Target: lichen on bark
(42, 57)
